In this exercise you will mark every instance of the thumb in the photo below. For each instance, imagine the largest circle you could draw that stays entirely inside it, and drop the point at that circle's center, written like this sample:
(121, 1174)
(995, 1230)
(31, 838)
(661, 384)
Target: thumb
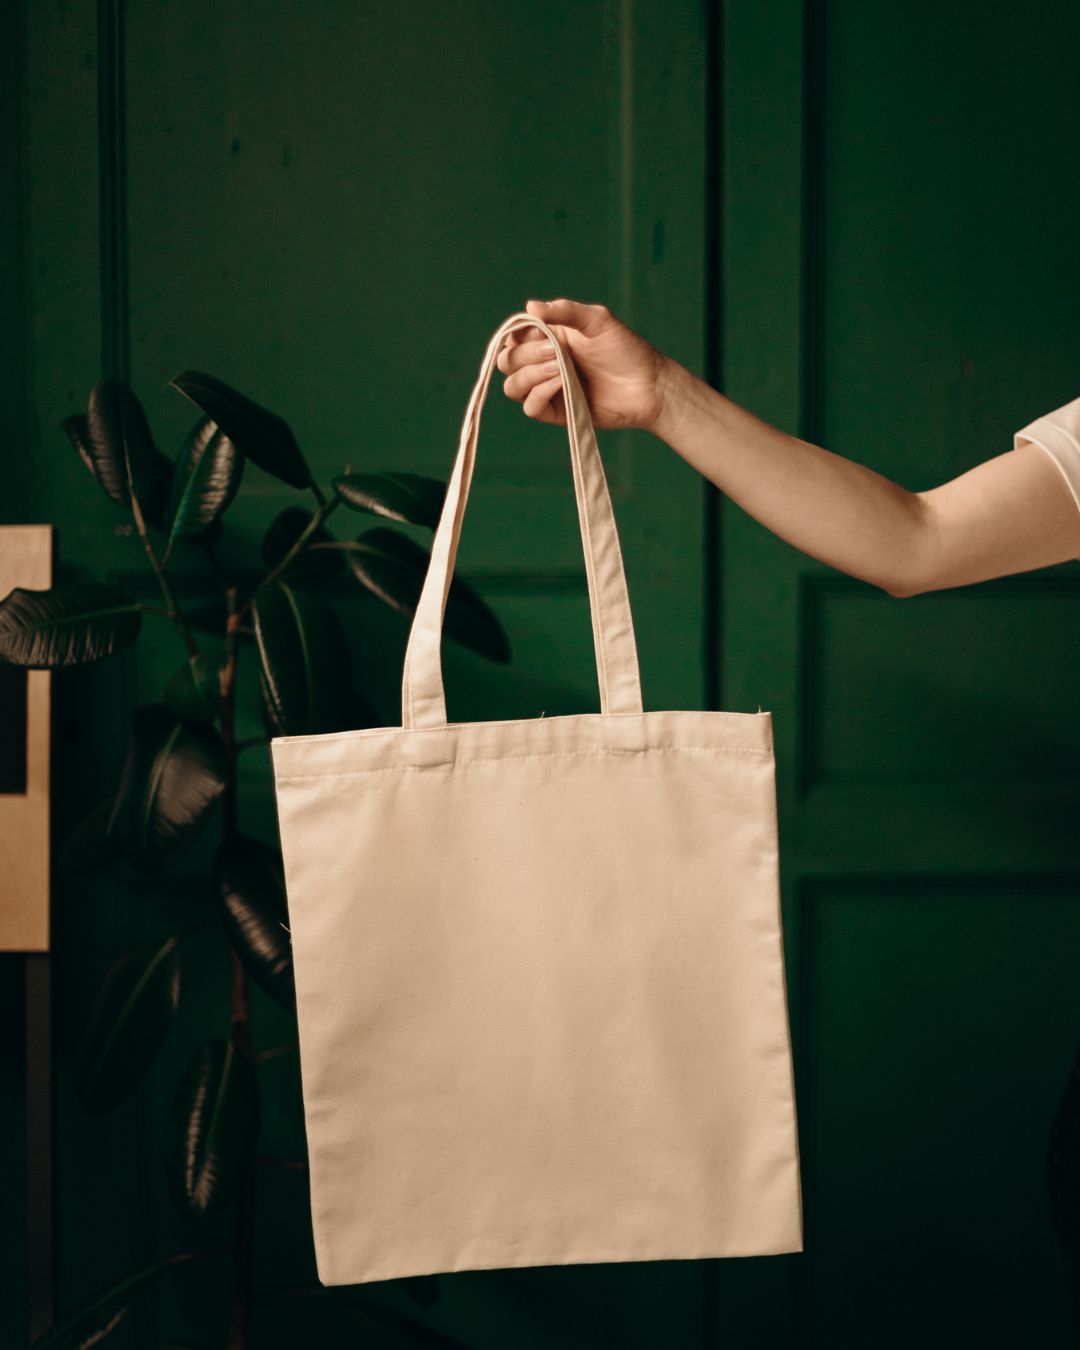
(569, 313)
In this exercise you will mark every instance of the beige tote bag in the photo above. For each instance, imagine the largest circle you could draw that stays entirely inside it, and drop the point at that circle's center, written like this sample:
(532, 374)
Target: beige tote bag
(539, 965)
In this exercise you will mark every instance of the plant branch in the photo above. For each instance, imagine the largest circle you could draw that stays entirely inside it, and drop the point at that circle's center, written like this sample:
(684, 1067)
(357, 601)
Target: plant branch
(228, 707)
(172, 609)
(274, 1051)
(325, 509)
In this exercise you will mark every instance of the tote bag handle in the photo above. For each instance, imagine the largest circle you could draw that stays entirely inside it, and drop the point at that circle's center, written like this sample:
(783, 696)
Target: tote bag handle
(423, 702)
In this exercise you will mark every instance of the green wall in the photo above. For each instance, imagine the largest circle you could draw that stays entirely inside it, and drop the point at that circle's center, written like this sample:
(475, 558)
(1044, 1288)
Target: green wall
(858, 220)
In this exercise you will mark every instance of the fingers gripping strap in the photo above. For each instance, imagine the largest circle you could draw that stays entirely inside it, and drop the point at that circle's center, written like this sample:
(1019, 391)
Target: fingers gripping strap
(423, 702)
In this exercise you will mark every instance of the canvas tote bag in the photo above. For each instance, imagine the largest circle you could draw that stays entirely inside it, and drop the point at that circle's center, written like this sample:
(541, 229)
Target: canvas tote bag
(538, 962)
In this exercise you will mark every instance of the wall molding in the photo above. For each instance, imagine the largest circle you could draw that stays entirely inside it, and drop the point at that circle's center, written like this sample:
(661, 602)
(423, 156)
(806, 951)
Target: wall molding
(112, 198)
(815, 589)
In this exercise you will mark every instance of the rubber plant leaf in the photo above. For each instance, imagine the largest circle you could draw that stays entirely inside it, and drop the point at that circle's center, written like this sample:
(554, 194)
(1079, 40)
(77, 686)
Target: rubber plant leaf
(173, 774)
(394, 567)
(206, 478)
(121, 453)
(308, 568)
(129, 1023)
(251, 891)
(98, 1318)
(412, 498)
(215, 1117)
(304, 661)
(71, 624)
(262, 436)
(193, 690)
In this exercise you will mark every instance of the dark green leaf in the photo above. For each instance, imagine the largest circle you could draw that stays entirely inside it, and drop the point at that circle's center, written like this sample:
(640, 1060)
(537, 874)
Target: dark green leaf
(173, 774)
(90, 847)
(307, 568)
(96, 1319)
(208, 472)
(215, 1120)
(251, 888)
(72, 624)
(304, 662)
(106, 1324)
(111, 476)
(92, 1328)
(262, 436)
(193, 690)
(120, 450)
(129, 1024)
(393, 568)
(409, 497)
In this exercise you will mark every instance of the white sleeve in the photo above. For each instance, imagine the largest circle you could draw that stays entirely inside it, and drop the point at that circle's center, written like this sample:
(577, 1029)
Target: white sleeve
(1058, 433)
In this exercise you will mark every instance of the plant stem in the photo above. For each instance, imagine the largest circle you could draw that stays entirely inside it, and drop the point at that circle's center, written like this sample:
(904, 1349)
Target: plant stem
(325, 509)
(228, 707)
(274, 1051)
(171, 607)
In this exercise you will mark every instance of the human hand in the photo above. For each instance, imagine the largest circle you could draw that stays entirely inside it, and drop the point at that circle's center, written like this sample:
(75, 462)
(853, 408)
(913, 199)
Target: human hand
(622, 374)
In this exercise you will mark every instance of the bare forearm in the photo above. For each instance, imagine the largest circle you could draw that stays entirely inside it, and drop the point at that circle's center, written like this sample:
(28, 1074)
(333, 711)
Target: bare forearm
(829, 507)
(1012, 512)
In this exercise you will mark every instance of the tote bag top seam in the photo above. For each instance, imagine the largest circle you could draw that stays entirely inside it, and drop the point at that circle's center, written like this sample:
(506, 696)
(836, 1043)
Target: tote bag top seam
(610, 751)
(371, 733)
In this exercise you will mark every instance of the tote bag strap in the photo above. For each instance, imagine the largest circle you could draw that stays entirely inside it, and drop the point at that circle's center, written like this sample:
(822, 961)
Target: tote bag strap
(423, 702)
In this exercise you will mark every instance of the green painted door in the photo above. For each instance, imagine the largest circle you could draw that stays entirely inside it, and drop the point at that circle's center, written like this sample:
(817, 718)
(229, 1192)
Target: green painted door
(902, 285)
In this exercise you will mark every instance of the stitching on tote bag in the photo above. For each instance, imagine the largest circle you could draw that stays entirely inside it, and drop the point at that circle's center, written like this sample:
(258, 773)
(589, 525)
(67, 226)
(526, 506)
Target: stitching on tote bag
(546, 754)
(372, 732)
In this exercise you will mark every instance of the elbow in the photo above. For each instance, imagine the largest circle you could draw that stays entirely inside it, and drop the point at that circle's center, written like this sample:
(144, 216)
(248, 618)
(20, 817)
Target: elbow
(909, 573)
(900, 588)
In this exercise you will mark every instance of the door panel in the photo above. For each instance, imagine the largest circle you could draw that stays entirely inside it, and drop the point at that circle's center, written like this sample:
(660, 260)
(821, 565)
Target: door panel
(901, 285)
(939, 1010)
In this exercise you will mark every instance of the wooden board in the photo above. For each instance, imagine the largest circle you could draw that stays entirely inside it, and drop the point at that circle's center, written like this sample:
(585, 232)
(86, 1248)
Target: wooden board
(25, 560)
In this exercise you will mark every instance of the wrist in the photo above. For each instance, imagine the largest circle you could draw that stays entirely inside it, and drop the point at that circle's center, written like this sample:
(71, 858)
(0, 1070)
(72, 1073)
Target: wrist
(671, 389)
